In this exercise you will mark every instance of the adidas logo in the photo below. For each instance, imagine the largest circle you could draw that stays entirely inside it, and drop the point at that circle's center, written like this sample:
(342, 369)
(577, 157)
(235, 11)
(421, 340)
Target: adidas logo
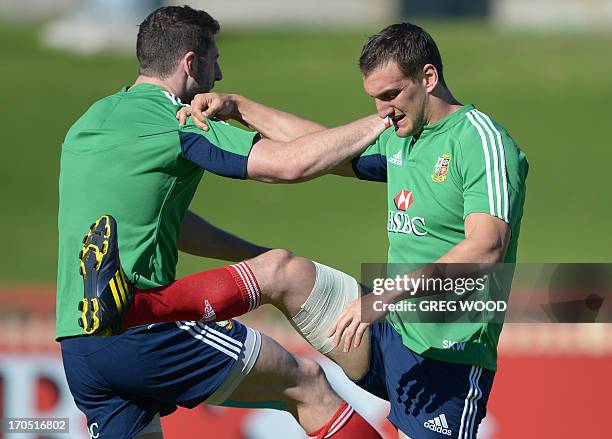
(396, 158)
(439, 425)
(209, 312)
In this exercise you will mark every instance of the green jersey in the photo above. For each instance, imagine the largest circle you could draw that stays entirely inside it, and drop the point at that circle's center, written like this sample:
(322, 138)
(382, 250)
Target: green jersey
(462, 164)
(128, 157)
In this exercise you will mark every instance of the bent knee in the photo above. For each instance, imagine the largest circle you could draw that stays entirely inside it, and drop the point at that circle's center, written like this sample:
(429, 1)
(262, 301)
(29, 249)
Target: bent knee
(274, 266)
(275, 271)
(276, 259)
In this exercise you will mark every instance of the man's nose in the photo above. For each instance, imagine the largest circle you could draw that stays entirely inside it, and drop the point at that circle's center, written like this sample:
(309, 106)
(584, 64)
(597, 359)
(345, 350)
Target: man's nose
(383, 108)
(218, 73)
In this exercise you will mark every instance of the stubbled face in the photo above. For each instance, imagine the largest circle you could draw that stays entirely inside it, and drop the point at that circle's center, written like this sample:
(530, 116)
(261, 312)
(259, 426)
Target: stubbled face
(403, 99)
(205, 71)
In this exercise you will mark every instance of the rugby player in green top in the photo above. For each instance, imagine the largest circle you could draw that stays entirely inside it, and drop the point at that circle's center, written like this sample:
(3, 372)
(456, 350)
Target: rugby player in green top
(456, 189)
(128, 158)
(456, 186)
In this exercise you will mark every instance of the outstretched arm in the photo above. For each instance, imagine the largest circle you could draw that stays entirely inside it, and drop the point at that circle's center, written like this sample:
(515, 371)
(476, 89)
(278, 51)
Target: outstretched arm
(271, 123)
(200, 238)
(293, 149)
(314, 154)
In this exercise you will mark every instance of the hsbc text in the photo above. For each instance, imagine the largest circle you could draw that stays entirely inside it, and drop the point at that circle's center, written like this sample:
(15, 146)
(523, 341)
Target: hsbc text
(399, 222)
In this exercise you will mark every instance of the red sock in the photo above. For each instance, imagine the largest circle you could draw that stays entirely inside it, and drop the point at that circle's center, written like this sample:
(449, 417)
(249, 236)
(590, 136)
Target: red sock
(346, 423)
(212, 295)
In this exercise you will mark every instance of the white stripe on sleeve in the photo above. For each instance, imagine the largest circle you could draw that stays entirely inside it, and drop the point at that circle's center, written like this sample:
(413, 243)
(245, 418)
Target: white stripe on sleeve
(496, 171)
(502, 156)
(485, 149)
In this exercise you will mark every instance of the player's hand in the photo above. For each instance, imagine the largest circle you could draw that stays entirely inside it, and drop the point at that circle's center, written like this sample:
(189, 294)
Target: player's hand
(349, 327)
(183, 114)
(208, 105)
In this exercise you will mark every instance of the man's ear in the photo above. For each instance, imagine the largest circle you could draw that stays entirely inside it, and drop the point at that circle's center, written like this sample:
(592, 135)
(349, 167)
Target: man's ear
(188, 63)
(430, 77)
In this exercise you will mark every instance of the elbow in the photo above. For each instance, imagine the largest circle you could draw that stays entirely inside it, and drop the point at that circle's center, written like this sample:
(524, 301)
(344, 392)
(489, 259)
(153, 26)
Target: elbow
(486, 240)
(499, 248)
(295, 168)
(496, 255)
(487, 253)
(291, 172)
(494, 252)
(279, 162)
(295, 176)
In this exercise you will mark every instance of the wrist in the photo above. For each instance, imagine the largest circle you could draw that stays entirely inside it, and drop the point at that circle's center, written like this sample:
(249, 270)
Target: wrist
(380, 123)
(236, 102)
(241, 109)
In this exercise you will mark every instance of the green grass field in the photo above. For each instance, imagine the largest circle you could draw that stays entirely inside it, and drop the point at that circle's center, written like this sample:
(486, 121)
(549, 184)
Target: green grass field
(551, 92)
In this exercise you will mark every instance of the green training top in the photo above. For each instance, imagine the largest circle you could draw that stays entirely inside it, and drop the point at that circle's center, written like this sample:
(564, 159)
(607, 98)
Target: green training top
(128, 157)
(462, 164)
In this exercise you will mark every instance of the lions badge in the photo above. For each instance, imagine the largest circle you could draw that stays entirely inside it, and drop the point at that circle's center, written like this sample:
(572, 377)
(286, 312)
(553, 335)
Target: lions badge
(227, 324)
(441, 168)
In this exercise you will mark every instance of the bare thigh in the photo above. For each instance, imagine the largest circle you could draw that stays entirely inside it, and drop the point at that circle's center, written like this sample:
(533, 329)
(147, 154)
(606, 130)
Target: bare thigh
(356, 362)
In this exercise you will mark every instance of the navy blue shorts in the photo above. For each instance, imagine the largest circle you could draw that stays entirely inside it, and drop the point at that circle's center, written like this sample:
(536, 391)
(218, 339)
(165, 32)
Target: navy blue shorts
(122, 383)
(429, 398)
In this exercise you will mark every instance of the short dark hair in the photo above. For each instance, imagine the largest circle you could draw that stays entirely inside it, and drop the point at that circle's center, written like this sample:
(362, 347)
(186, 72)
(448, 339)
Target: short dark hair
(409, 45)
(170, 32)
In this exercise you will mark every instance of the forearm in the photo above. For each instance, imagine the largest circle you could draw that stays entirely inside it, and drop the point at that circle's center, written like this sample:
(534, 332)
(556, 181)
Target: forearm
(314, 154)
(484, 253)
(271, 123)
(470, 259)
(200, 238)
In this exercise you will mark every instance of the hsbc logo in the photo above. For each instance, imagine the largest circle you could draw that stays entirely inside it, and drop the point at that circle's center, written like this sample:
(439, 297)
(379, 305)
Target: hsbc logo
(403, 200)
(399, 222)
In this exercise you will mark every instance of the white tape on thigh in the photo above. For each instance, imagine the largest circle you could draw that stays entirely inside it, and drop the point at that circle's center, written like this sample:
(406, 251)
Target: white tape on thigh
(332, 291)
